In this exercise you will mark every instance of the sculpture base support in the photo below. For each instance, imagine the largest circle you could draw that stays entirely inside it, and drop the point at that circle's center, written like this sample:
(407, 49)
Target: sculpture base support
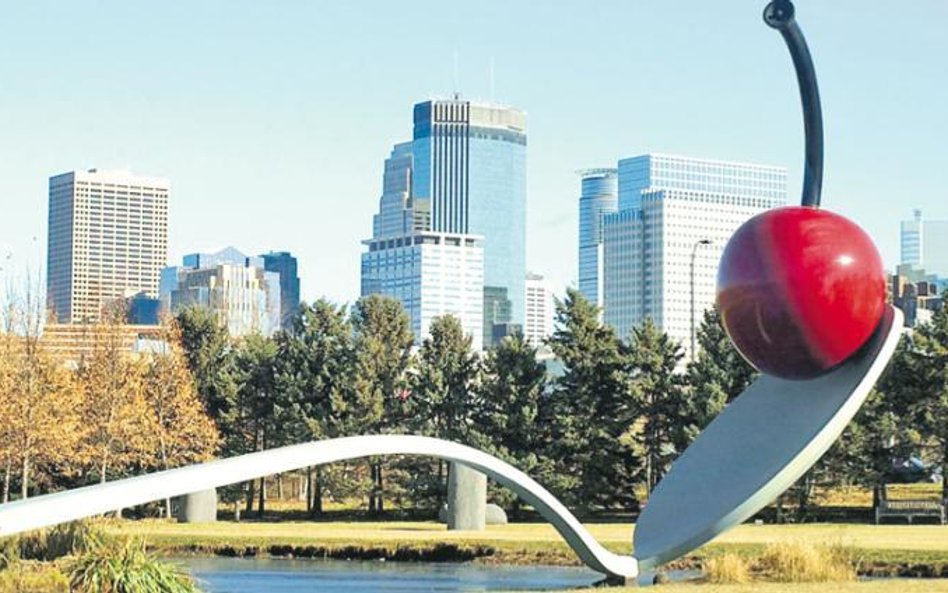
(198, 507)
(467, 499)
(615, 580)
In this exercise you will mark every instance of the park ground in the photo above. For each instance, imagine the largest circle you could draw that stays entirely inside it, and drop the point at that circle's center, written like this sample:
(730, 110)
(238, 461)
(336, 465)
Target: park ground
(919, 550)
(878, 550)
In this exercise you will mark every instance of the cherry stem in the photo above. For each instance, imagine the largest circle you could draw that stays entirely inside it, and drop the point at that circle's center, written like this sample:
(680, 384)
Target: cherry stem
(779, 15)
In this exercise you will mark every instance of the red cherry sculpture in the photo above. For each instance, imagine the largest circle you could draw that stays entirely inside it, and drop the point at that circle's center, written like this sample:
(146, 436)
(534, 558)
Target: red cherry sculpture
(800, 291)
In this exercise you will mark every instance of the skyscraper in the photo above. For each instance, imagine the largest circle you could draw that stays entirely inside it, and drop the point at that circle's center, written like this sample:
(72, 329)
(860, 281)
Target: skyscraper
(108, 239)
(469, 171)
(432, 274)
(600, 196)
(244, 296)
(925, 244)
(284, 264)
(539, 301)
(665, 242)
(456, 192)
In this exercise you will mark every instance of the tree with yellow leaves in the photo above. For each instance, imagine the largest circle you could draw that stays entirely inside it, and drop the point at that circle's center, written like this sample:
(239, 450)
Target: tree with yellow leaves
(7, 368)
(181, 432)
(38, 400)
(114, 410)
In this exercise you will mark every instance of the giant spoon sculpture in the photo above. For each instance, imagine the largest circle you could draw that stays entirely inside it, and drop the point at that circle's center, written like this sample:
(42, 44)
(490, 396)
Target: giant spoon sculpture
(802, 296)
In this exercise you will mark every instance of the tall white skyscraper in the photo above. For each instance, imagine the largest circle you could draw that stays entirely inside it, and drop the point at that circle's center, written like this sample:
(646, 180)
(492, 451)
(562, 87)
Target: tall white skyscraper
(925, 244)
(539, 303)
(108, 238)
(664, 244)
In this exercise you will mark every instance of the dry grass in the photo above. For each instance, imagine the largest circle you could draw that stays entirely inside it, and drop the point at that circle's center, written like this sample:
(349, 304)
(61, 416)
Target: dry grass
(931, 538)
(854, 496)
(794, 562)
(33, 577)
(726, 569)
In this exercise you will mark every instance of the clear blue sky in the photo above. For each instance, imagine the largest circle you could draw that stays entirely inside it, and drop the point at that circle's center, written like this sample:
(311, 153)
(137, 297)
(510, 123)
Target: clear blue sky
(272, 119)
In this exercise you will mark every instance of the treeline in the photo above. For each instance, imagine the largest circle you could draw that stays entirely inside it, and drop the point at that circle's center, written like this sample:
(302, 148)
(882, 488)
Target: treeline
(599, 432)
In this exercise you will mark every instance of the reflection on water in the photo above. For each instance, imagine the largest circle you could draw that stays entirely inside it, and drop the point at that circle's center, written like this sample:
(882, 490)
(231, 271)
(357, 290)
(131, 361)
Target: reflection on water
(232, 575)
(238, 575)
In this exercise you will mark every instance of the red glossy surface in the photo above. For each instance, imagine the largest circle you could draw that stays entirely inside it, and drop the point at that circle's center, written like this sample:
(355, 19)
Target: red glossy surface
(800, 291)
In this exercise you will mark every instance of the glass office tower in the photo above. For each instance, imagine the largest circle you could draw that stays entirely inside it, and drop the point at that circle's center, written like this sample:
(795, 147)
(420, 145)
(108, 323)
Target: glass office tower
(284, 264)
(600, 196)
(469, 170)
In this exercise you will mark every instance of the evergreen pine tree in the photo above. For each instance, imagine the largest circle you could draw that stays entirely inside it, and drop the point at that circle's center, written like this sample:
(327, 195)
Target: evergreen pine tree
(314, 374)
(658, 392)
(716, 376)
(590, 410)
(923, 378)
(508, 415)
(383, 342)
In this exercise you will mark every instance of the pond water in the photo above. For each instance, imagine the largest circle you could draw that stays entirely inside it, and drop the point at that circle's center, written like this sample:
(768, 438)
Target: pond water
(236, 575)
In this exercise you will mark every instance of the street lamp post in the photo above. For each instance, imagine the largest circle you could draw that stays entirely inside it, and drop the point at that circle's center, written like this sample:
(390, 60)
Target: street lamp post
(694, 252)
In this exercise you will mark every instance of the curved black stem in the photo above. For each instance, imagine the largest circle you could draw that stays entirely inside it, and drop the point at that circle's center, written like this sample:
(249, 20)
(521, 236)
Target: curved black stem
(779, 14)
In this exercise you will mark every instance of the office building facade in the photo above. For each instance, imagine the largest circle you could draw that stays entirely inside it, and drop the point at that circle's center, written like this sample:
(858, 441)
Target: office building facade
(245, 297)
(538, 325)
(108, 239)
(285, 266)
(675, 217)
(599, 197)
(924, 244)
(917, 293)
(455, 193)
(432, 274)
(469, 171)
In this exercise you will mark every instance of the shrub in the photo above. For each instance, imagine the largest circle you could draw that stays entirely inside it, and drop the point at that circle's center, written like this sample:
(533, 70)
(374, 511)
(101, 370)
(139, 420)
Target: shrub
(9, 551)
(796, 563)
(727, 569)
(67, 539)
(32, 577)
(126, 568)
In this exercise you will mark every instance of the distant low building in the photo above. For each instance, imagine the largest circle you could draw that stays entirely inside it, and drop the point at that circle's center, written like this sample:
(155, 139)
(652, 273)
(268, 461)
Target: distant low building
(239, 289)
(142, 309)
(916, 293)
(539, 302)
(72, 343)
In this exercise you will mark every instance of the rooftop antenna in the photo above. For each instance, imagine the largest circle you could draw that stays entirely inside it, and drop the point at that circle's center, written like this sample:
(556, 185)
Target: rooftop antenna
(457, 77)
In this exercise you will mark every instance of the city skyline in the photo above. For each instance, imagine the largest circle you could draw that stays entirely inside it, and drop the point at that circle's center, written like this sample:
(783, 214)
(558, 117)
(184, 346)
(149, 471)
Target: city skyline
(226, 144)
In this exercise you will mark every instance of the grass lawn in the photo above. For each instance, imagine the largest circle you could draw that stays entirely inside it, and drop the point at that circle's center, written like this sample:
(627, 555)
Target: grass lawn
(534, 542)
